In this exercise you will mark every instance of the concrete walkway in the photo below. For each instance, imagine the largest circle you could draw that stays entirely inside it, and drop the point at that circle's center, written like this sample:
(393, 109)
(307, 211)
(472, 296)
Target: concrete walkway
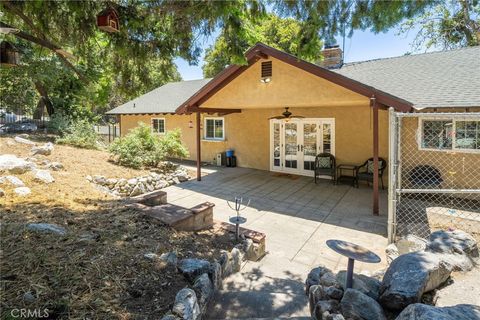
(297, 217)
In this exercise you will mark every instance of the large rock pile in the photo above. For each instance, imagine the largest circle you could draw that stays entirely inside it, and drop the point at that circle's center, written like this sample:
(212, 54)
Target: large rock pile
(139, 185)
(409, 279)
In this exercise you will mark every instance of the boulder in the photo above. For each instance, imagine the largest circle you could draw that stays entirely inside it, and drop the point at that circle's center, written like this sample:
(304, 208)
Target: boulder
(22, 191)
(169, 257)
(24, 141)
(314, 276)
(324, 308)
(391, 251)
(14, 181)
(43, 176)
(45, 150)
(170, 317)
(13, 164)
(47, 227)
(186, 305)
(334, 293)
(204, 290)
(411, 275)
(357, 305)
(225, 261)
(101, 180)
(335, 316)
(316, 293)
(215, 275)
(365, 284)
(138, 190)
(132, 182)
(237, 258)
(420, 311)
(410, 243)
(192, 268)
(328, 279)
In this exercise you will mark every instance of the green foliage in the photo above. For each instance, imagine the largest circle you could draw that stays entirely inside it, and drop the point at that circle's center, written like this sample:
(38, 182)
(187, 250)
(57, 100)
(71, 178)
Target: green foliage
(143, 148)
(283, 34)
(59, 123)
(448, 25)
(80, 134)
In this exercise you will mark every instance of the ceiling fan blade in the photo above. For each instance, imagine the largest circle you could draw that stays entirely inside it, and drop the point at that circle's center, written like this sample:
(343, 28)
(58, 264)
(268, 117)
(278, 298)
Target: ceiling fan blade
(277, 117)
(300, 117)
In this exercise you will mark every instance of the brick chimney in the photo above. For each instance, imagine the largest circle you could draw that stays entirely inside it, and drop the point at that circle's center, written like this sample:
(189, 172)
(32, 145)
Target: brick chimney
(332, 57)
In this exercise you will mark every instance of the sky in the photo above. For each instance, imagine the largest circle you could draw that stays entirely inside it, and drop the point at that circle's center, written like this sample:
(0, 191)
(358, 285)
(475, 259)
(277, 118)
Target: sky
(364, 45)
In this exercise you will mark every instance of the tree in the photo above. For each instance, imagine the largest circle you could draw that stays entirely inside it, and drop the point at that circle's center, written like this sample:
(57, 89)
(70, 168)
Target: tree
(447, 25)
(272, 30)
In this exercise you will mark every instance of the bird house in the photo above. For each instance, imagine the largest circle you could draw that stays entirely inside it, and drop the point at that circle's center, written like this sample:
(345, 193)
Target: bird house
(10, 56)
(107, 20)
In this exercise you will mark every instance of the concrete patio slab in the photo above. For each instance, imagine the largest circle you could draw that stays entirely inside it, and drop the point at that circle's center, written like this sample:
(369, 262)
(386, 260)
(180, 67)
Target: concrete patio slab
(298, 217)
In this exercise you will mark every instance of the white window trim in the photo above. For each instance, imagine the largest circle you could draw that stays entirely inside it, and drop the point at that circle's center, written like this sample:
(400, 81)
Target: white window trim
(205, 128)
(164, 125)
(419, 136)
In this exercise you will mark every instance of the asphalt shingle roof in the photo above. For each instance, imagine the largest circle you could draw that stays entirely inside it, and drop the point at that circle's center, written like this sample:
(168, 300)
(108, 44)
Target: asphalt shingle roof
(430, 80)
(164, 99)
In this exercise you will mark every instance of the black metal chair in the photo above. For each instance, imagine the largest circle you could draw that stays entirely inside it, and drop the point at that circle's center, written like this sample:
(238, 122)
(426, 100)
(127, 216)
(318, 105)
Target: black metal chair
(425, 176)
(365, 171)
(325, 166)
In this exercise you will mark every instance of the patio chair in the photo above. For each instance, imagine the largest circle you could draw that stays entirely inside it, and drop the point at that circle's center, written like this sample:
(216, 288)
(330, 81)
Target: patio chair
(365, 171)
(425, 176)
(325, 166)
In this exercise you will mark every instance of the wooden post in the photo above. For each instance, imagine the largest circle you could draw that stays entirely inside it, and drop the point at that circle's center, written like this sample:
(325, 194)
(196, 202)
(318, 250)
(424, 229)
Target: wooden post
(199, 156)
(374, 105)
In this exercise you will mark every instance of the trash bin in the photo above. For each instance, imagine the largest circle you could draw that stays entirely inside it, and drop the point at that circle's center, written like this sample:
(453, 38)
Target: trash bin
(231, 161)
(229, 153)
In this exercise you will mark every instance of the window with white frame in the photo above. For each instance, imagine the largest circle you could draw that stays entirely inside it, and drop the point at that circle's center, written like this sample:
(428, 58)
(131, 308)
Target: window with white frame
(447, 134)
(158, 125)
(214, 129)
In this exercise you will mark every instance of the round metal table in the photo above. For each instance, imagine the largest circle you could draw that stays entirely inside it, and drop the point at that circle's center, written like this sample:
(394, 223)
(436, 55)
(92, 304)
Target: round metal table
(237, 221)
(352, 252)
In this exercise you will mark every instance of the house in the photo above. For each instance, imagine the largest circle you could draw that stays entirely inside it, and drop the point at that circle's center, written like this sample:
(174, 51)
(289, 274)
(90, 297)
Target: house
(344, 107)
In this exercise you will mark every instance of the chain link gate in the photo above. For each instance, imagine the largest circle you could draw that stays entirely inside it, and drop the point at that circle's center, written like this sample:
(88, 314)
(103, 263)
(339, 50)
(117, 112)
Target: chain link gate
(434, 176)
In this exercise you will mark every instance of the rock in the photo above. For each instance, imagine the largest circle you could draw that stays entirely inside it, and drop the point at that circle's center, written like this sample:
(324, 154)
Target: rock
(453, 242)
(29, 297)
(204, 290)
(316, 293)
(182, 176)
(170, 317)
(138, 190)
(100, 180)
(365, 284)
(89, 178)
(22, 191)
(89, 237)
(2, 192)
(14, 181)
(410, 243)
(391, 251)
(13, 164)
(169, 257)
(334, 293)
(121, 182)
(43, 176)
(356, 304)
(55, 166)
(226, 263)
(313, 277)
(132, 182)
(237, 258)
(336, 316)
(111, 182)
(161, 184)
(186, 305)
(175, 180)
(192, 268)
(328, 279)
(24, 141)
(151, 256)
(47, 227)
(45, 150)
(324, 308)
(215, 275)
(420, 311)
(411, 275)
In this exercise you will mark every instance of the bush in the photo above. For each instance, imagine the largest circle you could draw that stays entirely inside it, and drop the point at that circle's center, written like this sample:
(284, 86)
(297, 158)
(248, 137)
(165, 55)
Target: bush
(59, 123)
(81, 134)
(142, 148)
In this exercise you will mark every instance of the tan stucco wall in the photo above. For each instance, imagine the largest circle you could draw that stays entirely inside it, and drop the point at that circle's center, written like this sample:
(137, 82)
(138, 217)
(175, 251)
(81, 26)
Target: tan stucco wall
(289, 87)
(248, 133)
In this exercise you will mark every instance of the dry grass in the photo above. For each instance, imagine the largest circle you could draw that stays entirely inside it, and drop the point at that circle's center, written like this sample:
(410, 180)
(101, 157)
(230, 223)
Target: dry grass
(104, 276)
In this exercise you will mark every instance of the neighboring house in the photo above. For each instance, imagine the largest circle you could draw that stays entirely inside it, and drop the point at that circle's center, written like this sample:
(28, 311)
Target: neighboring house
(344, 106)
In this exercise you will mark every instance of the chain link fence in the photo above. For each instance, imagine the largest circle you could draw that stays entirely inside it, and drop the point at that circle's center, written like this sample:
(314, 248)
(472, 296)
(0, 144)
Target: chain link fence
(435, 179)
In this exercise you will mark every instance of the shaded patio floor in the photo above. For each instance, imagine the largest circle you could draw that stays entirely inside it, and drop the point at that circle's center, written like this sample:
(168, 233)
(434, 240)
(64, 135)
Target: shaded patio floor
(297, 217)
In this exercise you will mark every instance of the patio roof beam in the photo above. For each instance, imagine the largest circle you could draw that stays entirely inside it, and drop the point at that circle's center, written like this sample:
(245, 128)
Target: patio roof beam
(199, 140)
(214, 110)
(375, 106)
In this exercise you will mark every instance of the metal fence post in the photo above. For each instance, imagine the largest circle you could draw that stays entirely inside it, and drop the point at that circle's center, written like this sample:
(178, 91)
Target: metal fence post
(392, 144)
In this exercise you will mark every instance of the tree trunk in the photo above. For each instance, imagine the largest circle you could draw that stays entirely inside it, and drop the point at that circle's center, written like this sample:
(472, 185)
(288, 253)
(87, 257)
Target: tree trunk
(45, 101)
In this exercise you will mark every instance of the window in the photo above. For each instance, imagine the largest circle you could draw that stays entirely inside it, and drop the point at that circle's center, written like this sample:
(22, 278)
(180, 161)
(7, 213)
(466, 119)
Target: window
(450, 135)
(214, 129)
(158, 125)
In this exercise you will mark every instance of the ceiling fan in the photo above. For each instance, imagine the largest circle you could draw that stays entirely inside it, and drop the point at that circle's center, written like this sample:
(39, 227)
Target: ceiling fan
(286, 115)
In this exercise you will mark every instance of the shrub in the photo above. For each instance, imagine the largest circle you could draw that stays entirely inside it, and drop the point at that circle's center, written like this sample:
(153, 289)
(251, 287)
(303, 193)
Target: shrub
(81, 134)
(142, 148)
(59, 123)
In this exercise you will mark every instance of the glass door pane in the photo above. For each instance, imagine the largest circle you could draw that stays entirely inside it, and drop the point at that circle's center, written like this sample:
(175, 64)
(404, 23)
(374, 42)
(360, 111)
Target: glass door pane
(309, 145)
(326, 141)
(276, 145)
(291, 145)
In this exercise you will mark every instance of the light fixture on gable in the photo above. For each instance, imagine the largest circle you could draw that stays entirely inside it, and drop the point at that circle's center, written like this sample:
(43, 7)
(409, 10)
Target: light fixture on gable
(265, 80)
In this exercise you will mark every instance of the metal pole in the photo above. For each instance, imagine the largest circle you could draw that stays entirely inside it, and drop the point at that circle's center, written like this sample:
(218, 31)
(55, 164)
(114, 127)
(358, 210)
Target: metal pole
(392, 169)
(199, 156)
(349, 281)
(374, 105)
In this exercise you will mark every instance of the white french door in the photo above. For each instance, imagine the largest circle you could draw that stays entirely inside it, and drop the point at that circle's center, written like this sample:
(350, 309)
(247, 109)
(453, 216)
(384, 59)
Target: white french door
(294, 143)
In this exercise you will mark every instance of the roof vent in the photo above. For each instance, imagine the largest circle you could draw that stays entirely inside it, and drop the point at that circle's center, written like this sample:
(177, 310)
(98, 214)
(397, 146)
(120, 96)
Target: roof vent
(266, 69)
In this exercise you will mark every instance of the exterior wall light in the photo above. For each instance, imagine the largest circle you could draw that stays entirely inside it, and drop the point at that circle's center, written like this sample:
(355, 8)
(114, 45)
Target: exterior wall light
(265, 80)
(190, 124)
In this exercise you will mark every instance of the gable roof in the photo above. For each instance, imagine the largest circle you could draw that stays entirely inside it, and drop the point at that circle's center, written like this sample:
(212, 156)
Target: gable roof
(261, 50)
(443, 79)
(164, 99)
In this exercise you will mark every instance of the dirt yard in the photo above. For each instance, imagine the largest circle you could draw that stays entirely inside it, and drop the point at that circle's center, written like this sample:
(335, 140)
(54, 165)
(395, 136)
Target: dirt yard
(98, 270)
